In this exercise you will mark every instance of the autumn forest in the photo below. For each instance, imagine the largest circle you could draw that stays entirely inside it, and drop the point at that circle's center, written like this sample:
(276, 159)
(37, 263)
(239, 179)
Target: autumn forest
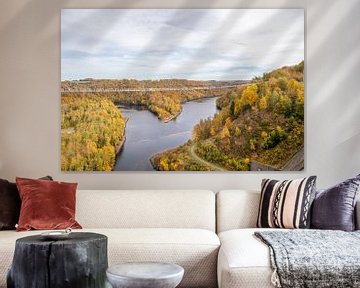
(259, 124)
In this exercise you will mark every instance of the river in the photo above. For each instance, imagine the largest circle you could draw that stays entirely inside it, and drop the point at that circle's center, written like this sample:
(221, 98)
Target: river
(147, 135)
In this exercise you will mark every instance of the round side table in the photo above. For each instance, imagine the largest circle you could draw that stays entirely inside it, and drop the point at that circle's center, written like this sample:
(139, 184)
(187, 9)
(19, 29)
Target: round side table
(78, 261)
(145, 275)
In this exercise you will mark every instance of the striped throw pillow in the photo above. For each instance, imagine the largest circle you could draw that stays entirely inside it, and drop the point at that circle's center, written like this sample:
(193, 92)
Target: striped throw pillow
(286, 204)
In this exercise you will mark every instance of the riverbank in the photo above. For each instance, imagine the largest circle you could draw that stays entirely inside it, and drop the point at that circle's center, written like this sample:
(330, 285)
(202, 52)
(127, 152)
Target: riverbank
(153, 157)
(120, 146)
(142, 107)
(166, 119)
(170, 118)
(173, 117)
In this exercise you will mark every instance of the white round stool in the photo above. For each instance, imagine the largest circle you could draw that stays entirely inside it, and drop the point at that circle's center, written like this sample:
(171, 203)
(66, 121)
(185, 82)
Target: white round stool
(145, 275)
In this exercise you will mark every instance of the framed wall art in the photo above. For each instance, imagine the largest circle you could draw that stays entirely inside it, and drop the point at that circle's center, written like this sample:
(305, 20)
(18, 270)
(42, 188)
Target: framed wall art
(182, 89)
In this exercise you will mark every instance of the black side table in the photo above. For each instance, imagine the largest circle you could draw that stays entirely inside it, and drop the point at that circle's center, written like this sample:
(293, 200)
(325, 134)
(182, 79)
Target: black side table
(78, 261)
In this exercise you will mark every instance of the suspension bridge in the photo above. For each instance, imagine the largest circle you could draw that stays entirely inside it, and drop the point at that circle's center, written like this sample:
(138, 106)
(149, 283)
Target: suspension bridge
(146, 89)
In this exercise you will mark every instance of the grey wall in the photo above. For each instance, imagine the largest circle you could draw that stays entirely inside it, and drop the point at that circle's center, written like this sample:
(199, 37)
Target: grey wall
(30, 97)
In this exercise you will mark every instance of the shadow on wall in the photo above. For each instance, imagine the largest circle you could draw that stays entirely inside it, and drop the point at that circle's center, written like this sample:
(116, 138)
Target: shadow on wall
(339, 71)
(334, 39)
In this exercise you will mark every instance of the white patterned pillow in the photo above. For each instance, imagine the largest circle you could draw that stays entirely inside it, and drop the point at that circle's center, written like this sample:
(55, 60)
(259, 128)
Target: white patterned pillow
(286, 204)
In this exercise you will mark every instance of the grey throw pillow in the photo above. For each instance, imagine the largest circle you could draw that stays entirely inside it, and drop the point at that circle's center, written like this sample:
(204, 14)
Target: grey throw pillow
(334, 208)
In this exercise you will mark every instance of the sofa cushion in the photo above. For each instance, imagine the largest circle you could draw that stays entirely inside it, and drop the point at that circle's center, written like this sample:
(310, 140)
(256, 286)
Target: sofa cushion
(153, 209)
(194, 249)
(236, 209)
(286, 204)
(244, 261)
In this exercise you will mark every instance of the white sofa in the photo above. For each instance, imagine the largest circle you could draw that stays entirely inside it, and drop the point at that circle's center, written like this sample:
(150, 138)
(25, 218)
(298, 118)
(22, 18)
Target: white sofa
(243, 261)
(175, 226)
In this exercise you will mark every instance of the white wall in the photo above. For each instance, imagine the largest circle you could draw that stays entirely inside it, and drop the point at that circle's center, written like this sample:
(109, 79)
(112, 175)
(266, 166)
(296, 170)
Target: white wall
(30, 97)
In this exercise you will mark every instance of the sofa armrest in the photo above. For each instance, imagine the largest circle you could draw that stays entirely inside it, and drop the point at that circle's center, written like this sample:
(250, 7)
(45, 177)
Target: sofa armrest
(357, 215)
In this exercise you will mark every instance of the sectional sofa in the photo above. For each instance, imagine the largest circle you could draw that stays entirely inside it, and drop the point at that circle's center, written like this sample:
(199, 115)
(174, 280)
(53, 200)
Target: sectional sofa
(210, 235)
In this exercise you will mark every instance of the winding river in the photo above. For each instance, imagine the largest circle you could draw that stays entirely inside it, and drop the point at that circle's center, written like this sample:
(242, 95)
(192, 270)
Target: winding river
(147, 135)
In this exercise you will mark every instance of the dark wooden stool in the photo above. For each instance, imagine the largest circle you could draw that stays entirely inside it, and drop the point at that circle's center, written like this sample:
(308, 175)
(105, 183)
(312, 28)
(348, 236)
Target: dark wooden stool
(78, 261)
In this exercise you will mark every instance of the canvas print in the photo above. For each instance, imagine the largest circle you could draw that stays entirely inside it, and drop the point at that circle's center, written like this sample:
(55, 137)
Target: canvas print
(182, 89)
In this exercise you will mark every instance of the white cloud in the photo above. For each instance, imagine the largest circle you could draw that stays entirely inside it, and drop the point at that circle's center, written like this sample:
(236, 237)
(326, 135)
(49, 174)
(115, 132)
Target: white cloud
(180, 43)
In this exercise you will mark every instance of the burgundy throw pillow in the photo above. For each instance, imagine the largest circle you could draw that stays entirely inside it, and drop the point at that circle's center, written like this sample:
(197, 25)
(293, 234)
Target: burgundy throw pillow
(10, 204)
(46, 204)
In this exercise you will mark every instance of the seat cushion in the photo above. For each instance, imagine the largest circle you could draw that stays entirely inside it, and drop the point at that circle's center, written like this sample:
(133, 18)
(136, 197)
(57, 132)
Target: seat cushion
(236, 209)
(153, 209)
(244, 261)
(196, 250)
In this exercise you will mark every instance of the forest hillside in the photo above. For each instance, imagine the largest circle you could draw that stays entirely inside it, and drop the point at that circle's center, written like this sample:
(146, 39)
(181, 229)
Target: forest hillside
(261, 122)
(92, 129)
(162, 97)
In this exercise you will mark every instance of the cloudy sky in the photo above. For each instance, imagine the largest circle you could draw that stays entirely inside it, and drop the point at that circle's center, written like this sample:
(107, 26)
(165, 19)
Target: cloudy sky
(203, 44)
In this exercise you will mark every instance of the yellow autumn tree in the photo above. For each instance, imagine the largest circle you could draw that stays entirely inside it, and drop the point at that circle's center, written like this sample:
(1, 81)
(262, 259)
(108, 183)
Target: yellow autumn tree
(225, 133)
(164, 166)
(228, 122)
(263, 103)
(237, 132)
(248, 99)
(292, 87)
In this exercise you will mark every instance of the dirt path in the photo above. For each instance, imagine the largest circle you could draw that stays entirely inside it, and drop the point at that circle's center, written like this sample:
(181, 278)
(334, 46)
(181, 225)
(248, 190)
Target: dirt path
(204, 162)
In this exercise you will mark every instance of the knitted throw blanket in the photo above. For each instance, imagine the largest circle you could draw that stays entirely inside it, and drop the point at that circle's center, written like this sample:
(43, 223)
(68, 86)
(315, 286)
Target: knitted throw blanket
(313, 258)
